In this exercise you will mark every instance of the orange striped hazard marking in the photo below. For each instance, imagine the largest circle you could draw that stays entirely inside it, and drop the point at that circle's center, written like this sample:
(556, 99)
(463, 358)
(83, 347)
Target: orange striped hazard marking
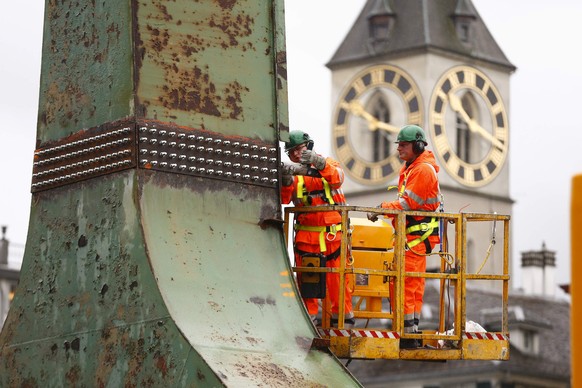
(486, 336)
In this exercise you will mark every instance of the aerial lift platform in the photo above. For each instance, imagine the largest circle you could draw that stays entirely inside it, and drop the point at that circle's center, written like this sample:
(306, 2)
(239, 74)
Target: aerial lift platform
(377, 259)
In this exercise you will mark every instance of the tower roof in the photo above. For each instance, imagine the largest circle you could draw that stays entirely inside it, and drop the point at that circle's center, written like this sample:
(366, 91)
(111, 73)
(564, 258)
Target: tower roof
(420, 25)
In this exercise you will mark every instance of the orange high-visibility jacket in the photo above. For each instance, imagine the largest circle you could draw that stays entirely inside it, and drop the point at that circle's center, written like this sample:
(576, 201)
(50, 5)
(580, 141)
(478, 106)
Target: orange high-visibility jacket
(418, 188)
(311, 191)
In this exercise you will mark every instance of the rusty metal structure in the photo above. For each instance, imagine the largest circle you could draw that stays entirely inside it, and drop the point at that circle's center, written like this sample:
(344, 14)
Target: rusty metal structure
(154, 254)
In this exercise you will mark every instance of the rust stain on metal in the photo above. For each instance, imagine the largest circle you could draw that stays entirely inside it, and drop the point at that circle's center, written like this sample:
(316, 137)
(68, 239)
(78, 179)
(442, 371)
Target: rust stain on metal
(190, 90)
(164, 12)
(194, 90)
(159, 38)
(234, 98)
(281, 59)
(283, 127)
(219, 337)
(321, 344)
(215, 306)
(73, 375)
(263, 301)
(190, 85)
(271, 373)
(227, 4)
(107, 358)
(281, 70)
(234, 27)
(200, 375)
(68, 99)
(161, 365)
(254, 341)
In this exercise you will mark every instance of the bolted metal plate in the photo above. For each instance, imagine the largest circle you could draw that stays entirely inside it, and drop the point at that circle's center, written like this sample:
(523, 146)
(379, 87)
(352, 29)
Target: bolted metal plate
(208, 154)
(96, 152)
(83, 155)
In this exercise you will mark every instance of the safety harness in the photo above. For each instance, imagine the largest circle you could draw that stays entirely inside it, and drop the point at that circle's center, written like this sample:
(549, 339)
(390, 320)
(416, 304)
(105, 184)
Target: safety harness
(427, 226)
(424, 227)
(306, 198)
(324, 232)
(331, 256)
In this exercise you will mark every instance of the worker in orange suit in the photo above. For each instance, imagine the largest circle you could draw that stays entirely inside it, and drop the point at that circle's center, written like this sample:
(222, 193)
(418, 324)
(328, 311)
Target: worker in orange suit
(418, 190)
(316, 181)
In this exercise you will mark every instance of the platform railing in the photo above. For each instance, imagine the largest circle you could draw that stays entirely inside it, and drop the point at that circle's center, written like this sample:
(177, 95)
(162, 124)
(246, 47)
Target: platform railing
(452, 274)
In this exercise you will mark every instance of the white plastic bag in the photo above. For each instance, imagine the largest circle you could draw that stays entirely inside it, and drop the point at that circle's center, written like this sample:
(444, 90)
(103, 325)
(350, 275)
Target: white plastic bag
(470, 327)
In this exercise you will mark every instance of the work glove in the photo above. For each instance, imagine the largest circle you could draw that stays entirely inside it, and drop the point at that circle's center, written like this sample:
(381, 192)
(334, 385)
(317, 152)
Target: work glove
(294, 169)
(311, 158)
(374, 216)
(287, 180)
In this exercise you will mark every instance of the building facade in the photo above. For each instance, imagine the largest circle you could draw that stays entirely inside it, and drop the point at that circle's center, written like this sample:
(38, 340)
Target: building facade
(434, 64)
(8, 278)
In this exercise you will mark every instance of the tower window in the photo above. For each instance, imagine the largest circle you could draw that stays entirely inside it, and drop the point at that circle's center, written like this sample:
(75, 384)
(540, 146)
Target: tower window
(381, 139)
(463, 30)
(463, 17)
(379, 27)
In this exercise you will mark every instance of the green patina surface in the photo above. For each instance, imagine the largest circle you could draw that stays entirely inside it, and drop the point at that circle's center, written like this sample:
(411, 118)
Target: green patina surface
(146, 278)
(88, 310)
(204, 65)
(197, 64)
(86, 71)
(226, 282)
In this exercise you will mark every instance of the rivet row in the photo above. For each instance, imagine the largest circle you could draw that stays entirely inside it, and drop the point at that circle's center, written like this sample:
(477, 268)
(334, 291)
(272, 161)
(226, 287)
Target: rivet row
(82, 173)
(83, 163)
(83, 151)
(147, 133)
(80, 142)
(207, 156)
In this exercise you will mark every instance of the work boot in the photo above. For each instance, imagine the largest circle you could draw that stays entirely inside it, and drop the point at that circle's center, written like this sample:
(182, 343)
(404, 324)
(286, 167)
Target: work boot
(420, 343)
(348, 322)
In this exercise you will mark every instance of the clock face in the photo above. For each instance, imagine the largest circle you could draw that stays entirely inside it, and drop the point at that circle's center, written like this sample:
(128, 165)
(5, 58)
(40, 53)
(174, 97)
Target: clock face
(369, 114)
(469, 127)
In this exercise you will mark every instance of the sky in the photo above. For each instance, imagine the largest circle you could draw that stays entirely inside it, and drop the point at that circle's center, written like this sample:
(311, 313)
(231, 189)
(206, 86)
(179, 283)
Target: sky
(541, 38)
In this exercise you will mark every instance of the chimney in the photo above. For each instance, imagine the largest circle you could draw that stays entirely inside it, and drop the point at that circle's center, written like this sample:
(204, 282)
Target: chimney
(3, 247)
(539, 272)
(549, 271)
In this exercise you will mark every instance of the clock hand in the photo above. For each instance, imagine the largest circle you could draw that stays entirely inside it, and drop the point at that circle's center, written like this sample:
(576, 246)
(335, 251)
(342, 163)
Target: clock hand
(387, 127)
(457, 106)
(373, 123)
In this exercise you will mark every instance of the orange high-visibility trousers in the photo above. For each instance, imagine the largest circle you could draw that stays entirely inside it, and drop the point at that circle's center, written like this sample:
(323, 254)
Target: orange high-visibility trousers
(413, 288)
(332, 280)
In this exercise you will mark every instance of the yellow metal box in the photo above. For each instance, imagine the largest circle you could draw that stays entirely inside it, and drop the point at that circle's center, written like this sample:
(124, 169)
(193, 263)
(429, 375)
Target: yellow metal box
(371, 235)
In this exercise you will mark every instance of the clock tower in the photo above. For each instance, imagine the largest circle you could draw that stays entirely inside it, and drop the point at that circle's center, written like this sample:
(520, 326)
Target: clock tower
(434, 64)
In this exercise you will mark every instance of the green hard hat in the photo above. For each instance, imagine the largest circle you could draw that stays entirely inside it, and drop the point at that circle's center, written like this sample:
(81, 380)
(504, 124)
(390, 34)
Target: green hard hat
(411, 133)
(297, 138)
